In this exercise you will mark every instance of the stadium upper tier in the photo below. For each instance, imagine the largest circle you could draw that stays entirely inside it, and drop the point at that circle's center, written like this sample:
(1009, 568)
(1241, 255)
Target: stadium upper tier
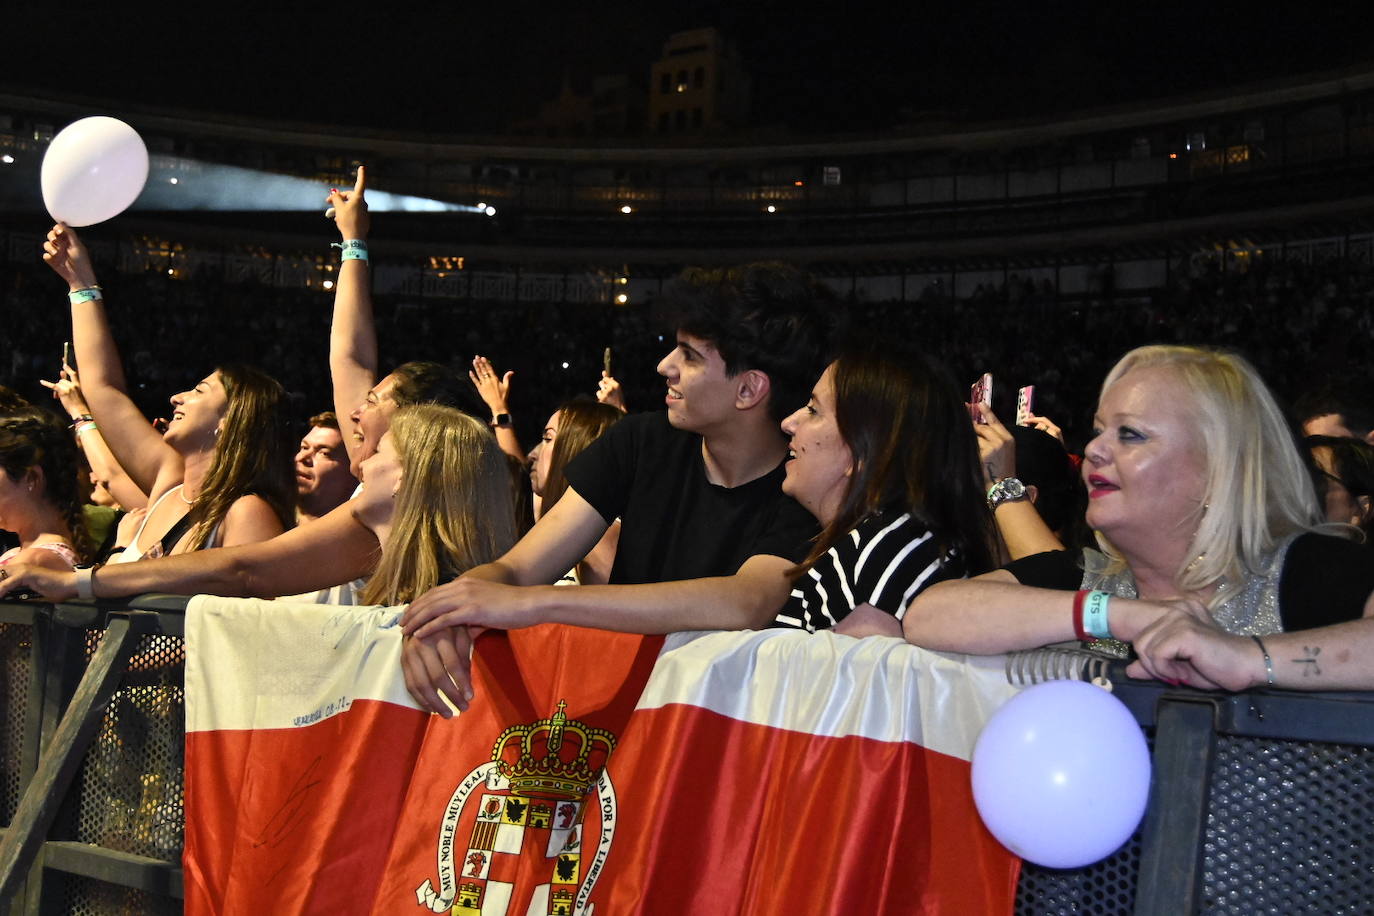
(1268, 161)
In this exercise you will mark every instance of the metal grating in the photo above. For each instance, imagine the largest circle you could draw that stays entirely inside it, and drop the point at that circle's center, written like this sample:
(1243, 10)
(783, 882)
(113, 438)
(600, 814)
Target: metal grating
(130, 786)
(80, 896)
(1106, 888)
(16, 641)
(1288, 828)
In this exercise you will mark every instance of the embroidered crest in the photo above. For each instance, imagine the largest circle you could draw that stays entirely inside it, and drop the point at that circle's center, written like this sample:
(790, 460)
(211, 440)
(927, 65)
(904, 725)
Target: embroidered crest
(534, 823)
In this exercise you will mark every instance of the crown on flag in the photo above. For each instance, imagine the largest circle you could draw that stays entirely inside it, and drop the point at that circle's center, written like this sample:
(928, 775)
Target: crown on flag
(555, 757)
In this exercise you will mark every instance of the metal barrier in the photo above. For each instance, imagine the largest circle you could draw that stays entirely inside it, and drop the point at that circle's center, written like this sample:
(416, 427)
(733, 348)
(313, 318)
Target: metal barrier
(91, 741)
(1261, 802)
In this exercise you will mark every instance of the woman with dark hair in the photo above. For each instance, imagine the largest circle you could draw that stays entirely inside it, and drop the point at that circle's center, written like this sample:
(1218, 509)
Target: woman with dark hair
(39, 498)
(1344, 471)
(221, 474)
(571, 428)
(884, 457)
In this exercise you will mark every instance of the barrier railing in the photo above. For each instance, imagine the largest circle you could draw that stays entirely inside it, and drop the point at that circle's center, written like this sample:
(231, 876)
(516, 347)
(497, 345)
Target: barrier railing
(1260, 802)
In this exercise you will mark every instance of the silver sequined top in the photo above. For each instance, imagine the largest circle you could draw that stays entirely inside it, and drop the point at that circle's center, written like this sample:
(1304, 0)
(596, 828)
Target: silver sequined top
(1251, 610)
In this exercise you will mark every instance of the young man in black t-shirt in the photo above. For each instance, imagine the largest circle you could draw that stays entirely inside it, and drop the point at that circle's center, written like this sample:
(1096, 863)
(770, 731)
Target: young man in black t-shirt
(706, 532)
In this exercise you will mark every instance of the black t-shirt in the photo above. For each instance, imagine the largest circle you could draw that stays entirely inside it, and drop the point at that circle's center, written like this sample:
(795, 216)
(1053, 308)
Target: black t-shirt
(1325, 579)
(674, 523)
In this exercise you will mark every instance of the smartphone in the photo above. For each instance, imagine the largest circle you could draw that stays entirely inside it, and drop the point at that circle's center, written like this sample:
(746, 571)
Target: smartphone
(1025, 399)
(606, 361)
(980, 392)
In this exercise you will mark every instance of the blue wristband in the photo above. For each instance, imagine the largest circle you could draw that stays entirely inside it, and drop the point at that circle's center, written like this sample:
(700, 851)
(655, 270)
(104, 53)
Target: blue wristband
(353, 249)
(89, 294)
(1095, 615)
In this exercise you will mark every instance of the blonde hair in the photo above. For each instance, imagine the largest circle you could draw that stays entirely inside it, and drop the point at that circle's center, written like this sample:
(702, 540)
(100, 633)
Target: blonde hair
(1257, 490)
(454, 509)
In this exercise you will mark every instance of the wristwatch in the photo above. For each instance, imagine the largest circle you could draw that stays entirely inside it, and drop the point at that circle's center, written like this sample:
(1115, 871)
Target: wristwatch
(501, 420)
(1006, 490)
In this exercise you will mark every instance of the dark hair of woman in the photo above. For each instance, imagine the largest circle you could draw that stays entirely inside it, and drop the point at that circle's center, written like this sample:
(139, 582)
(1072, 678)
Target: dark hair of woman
(581, 422)
(34, 438)
(252, 455)
(914, 451)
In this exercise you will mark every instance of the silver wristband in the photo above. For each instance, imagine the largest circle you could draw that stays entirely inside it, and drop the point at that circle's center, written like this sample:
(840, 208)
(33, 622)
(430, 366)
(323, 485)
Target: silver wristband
(83, 582)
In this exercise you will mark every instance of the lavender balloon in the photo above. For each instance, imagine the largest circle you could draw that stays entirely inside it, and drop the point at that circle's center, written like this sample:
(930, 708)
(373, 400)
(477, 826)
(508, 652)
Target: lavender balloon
(1061, 774)
(93, 170)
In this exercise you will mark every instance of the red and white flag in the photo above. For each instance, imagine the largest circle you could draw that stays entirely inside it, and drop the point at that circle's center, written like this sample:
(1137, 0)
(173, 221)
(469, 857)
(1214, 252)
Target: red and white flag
(761, 773)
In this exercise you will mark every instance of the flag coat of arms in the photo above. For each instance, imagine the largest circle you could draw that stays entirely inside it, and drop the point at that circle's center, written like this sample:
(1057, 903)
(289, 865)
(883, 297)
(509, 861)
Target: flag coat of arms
(769, 772)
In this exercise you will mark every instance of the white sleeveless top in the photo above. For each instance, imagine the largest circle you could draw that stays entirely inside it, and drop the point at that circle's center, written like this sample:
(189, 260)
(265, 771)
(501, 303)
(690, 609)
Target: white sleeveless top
(132, 554)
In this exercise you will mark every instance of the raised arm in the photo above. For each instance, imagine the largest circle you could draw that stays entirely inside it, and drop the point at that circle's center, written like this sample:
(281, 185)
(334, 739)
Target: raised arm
(332, 550)
(494, 389)
(1022, 529)
(150, 463)
(353, 331)
(67, 389)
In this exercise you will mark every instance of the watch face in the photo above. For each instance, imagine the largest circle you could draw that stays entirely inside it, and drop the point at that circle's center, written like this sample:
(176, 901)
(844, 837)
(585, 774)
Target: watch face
(1007, 490)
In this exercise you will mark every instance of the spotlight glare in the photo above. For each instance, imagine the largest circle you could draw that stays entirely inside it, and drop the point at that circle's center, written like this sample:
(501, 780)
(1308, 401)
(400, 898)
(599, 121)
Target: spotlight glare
(481, 205)
(627, 209)
(328, 284)
(565, 365)
(772, 209)
(173, 181)
(490, 211)
(7, 159)
(622, 299)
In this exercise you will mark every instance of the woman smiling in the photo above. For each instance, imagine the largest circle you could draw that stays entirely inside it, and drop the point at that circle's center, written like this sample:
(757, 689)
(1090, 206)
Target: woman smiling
(221, 473)
(883, 456)
(1201, 505)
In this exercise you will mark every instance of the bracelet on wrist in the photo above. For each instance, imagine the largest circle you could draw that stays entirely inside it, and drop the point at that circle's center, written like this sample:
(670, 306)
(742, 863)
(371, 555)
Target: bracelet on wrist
(81, 418)
(1095, 605)
(85, 294)
(86, 427)
(84, 586)
(352, 249)
(1268, 662)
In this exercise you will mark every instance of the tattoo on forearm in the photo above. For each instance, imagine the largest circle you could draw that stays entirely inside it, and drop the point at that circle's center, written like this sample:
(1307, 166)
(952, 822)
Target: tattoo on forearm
(1309, 661)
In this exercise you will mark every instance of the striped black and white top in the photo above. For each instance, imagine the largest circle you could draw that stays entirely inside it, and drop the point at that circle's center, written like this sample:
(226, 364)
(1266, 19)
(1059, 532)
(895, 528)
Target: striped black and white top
(886, 561)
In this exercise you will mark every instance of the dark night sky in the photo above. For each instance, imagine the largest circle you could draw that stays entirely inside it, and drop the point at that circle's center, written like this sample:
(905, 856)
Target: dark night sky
(455, 68)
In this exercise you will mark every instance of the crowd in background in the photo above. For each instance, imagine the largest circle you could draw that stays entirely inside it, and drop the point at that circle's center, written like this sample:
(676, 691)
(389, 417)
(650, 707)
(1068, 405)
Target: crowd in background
(1294, 320)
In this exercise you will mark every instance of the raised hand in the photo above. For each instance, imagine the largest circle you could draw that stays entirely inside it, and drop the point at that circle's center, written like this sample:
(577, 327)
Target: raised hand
(350, 208)
(608, 391)
(493, 388)
(65, 254)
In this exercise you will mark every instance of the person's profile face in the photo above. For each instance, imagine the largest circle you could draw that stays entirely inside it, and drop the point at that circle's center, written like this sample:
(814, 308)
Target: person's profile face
(700, 393)
(1145, 467)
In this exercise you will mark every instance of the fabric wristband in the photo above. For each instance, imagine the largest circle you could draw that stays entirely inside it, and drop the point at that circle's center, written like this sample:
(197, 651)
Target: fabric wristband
(86, 427)
(1078, 630)
(1095, 615)
(1268, 662)
(83, 581)
(352, 249)
(89, 294)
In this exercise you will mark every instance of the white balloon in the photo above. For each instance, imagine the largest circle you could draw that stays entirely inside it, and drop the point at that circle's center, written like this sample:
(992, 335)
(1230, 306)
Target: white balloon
(93, 170)
(1061, 774)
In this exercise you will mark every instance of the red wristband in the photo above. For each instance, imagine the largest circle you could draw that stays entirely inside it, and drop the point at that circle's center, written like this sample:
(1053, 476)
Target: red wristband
(1078, 599)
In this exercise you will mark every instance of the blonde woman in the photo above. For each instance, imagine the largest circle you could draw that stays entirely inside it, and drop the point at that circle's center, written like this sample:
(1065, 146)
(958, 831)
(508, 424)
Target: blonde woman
(1202, 506)
(435, 501)
(221, 474)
